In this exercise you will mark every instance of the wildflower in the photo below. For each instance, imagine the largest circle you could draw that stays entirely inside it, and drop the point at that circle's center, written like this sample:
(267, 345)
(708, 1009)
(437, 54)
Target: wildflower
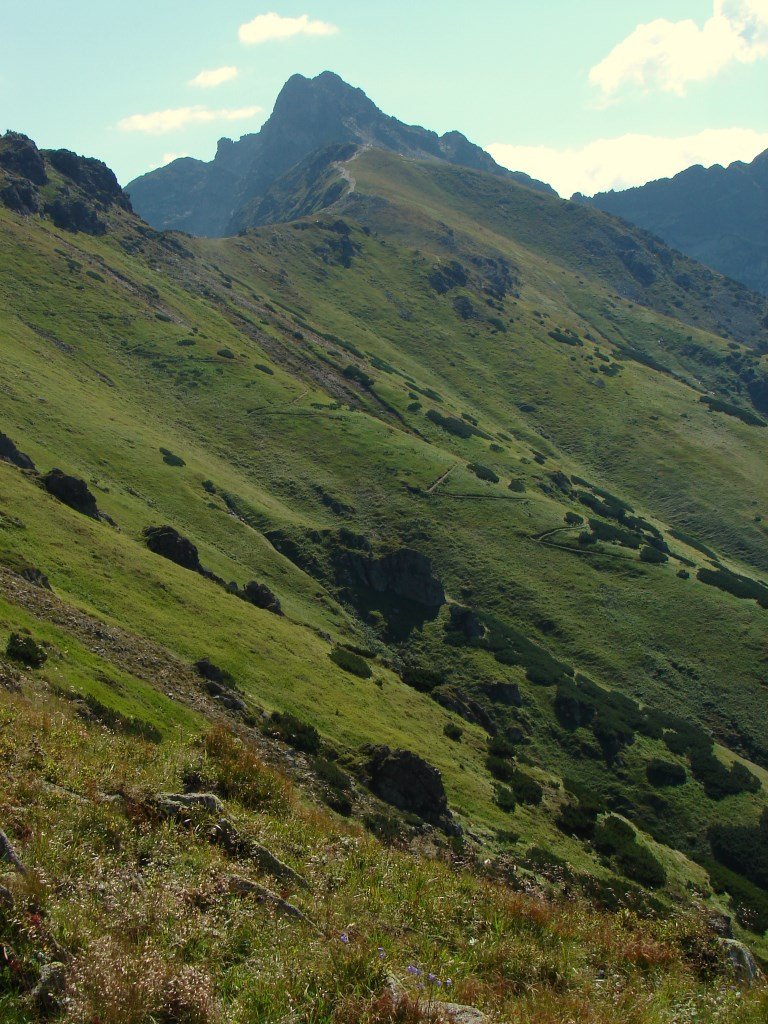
(433, 979)
(344, 938)
(448, 982)
(381, 952)
(415, 971)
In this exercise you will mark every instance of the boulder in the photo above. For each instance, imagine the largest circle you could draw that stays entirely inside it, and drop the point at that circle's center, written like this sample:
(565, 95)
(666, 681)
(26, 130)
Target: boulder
(20, 156)
(261, 596)
(71, 491)
(408, 782)
(47, 995)
(10, 453)
(169, 543)
(741, 961)
(206, 668)
(177, 805)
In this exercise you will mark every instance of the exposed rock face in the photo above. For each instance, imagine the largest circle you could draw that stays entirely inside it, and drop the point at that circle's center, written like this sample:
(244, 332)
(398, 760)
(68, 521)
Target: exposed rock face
(404, 573)
(261, 596)
(175, 805)
(232, 191)
(10, 453)
(21, 157)
(169, 543)
(72, 214)
(466, 707)
(71, 491)
(408, 782)
(93, 176)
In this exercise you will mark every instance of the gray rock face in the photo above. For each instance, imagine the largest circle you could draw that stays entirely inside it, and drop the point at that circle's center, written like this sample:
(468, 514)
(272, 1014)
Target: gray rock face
(49, 991)
(224, 196)
(408, 782)
(261, 596)
(20, 156)
(176, 805)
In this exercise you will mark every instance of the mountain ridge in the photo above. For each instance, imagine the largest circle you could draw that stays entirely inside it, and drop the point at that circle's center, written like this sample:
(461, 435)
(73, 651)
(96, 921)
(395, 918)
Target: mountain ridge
(309, 114)
(718, 215)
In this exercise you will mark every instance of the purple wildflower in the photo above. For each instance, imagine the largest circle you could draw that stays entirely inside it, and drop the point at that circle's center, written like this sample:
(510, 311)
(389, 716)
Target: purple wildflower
(344, 938)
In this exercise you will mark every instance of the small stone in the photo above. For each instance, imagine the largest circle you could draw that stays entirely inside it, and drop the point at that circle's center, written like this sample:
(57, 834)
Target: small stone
(49, 989)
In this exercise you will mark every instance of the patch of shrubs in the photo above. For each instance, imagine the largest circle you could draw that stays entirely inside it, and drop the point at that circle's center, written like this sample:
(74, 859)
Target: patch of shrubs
(665, 773)
(579, 816)
(353, 372)
(170, 459)
(510, 647)
(23, 647)
(749, 900)
(652, 555)
(518, 486)
(740, 586)
(483, 472)
(294, 732)
(613, 717)
(455, 425)
(330, 772)
(226, 353)
(745, 415)
(525, 788)
(350, 661)
(453, 732)
(505, 798)
(718, 781)
(616, 837)
(566, 337)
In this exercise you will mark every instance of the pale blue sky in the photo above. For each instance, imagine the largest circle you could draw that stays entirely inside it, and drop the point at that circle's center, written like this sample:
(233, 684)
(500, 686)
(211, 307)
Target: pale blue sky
(515, 73)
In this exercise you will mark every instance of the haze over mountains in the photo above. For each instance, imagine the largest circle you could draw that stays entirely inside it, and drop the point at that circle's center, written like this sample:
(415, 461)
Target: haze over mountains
(717, 215)
(221, 197)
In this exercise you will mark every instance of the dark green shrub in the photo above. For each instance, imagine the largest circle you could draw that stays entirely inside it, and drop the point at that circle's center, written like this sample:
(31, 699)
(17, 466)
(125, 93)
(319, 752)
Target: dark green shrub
(453, 731)
(483, 472)
(577, 819)
(518, 486)
(615, 836)
(719, 781)
(170, 459)
(566, 337)
(330, 772)
(351, 662)
(733, 583)
(505, 798)
(525, 788)
(665, 773)
(749, 900)
(745, 415)
(24, 648)
(499, 767)
(294, 732)
(353, 372)
(573, 519)
(226, 353)
(652, 555)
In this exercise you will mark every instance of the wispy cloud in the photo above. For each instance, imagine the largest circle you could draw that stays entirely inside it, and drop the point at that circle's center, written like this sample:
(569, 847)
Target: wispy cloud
(669, 55)
(161, 122)
(216, 76)
(267, 27)
(629, 159)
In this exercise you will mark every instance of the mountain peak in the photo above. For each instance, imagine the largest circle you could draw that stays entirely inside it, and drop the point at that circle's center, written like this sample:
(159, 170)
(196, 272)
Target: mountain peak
(310, 114)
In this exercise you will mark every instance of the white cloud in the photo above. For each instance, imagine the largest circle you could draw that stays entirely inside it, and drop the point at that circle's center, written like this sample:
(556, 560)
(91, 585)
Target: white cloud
(163, 121)
(668, 55)
(629, 159)
(216, 76)
(266, 27)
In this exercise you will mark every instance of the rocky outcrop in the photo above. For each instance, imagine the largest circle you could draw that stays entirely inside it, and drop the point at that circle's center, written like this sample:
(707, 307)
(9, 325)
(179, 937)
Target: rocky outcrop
(741, 961)
(92, 176)
(403, 573)
(178, 805)
(261, 596)
(71, 491)
(169, 543)
(454, 699)
(70, 213)
(20, 157)
(10, 453)
(465, 621)
(413, 785)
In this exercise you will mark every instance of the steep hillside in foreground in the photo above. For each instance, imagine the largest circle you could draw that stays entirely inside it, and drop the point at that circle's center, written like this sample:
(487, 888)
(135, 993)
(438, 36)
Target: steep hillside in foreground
(433, 470)
(718, 215)
(218, 198)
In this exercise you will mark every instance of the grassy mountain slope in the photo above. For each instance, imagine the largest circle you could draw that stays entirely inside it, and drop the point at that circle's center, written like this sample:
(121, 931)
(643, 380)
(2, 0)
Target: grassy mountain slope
(373, 379)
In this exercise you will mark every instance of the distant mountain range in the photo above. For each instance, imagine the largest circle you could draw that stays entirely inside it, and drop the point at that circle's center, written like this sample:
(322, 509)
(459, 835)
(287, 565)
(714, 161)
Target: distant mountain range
(717, 215)
(222, 196)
